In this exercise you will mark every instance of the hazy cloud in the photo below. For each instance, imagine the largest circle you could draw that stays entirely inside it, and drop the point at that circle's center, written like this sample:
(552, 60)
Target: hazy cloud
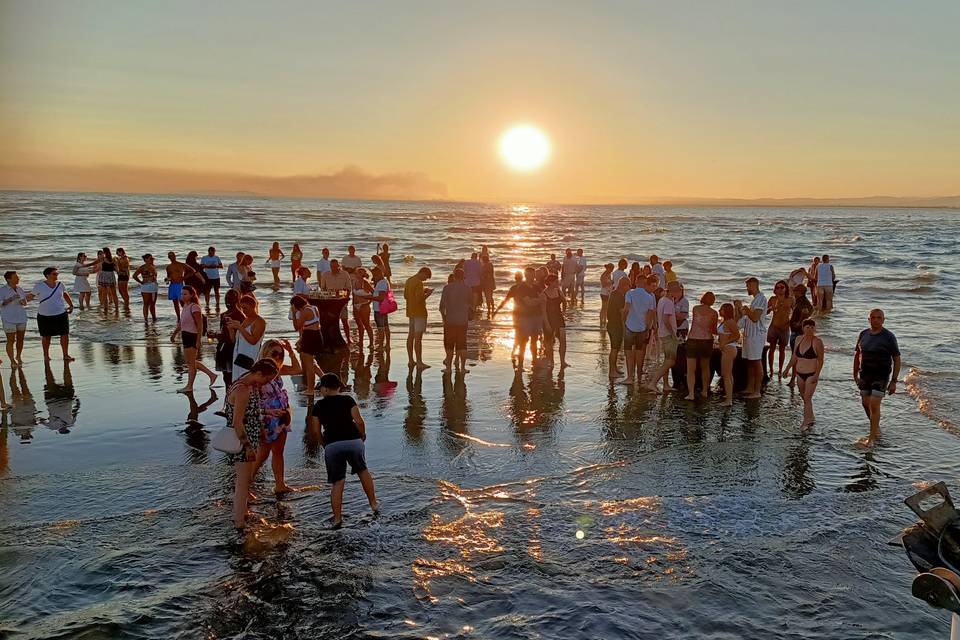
(349, 182)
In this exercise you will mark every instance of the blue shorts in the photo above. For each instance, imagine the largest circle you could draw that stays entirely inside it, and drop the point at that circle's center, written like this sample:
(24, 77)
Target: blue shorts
(174, 289)
(873, 386)
(337, 454)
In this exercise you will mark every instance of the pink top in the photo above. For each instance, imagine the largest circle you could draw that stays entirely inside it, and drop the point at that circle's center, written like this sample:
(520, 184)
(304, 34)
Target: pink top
(187, 323)
(703, 322)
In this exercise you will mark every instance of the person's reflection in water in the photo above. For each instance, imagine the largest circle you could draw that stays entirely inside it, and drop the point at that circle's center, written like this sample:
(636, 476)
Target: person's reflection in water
(24, 412)
(153, 355)
(416, 414)
(361, 375)
(63, 405)
(454, 411)
(196, 437)
(797, 481)
(384, 387)
(4, 449)
(546, 397)
(865, 478)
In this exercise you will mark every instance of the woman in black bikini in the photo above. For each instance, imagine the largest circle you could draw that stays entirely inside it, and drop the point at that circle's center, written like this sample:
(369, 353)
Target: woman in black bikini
(107, 282)
(306, 321)
(123, 276)
(807, 361)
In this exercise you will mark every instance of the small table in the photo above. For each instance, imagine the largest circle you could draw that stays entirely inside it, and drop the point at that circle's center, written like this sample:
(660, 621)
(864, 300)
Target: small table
(330, 309)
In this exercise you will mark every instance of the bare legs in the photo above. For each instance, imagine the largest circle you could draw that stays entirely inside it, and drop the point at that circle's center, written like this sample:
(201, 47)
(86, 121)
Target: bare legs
(807, 388)
(692, 377)
(192, 365)
(64, 346)
(149, 306)
(361, 316)
(306, 360)
(241, 492)
(274, 449)
(276, 277)
(726, 371)
(754, 378)
(15, 338)
(415, 348)
(871, 406)
(336, 496)
(604, 301)
(122, 286)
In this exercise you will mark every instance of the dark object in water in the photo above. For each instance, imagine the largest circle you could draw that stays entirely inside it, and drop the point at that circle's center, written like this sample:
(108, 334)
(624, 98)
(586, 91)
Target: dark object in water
(933, 546)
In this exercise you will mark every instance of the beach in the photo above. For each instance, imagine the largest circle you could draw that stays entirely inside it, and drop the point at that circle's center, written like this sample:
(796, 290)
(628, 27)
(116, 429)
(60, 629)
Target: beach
(546, 505)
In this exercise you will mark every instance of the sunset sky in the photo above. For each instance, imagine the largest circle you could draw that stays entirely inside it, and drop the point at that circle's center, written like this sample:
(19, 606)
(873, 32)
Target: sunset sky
(640, 100)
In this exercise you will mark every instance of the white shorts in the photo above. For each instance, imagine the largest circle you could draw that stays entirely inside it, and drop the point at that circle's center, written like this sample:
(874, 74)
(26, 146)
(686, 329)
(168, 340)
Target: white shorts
(753, 347)
(149, 287)
(274, 264)
(14, 327)
(417, 325)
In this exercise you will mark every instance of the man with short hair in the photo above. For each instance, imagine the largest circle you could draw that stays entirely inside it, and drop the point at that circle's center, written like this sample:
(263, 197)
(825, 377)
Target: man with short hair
(876, 367)
(615, 324)
(323, 264)
(336, 417)
(667, 333)
(568, 275)
(351, 262)
(528, 303)
(620, 271)
(639, 314)
(753, 324)
(339, 280)
(657, 268)
(211, 269)
(581, 274)
(825, 279)
(177, 272)
(472, 269)
(234, 279)
(553, 265)
(455, 304)
(415, 295)
(13, 314)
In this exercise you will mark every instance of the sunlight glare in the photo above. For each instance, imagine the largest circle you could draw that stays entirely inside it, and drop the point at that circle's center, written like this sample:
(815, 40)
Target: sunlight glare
(524, 147)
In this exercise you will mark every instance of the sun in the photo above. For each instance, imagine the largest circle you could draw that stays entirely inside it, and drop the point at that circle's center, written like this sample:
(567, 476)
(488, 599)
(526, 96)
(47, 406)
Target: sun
(524, 147)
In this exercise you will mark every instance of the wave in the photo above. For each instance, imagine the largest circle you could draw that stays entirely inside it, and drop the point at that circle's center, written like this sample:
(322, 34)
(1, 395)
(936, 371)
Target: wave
(844, 240)
(921, 385)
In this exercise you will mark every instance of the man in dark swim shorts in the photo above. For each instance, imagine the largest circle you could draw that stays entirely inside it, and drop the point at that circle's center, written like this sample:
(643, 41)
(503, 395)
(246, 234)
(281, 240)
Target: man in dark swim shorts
(876, 367)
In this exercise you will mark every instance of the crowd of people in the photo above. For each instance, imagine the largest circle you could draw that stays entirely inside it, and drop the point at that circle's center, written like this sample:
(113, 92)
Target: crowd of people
(644, 311)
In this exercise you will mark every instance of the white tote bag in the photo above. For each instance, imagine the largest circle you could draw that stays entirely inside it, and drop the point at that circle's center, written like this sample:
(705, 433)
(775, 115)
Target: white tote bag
(226, 440)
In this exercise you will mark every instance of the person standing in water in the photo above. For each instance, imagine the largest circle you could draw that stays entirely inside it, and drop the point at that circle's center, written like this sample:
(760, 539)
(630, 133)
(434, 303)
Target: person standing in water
(234, 277)
(639, 316)
(334, 280)
(728, 334)
(190, 328)
(81, 283)
(826, 277)
(606, 288)
(568, 275)
(384, 252)
(211, 270)
(456, 301)
(415, 295)
(581, 274)
(277, 415)
(554, 326)
(351, 262)
(146, 277)
(123, 276)
(53, 312)
(778, 335)
(226, 337)
(107, 282)
(700, 345)
(296, 261)
(342, 433)
(488, 281)
(752, 319)
(381, 319)
(13, 313)
(667, 333)
(177, 273)
(275, 255)
(615, 325)
(306, 322)
(876, 367)
(323, 264)
(807, 362)
(248, 335)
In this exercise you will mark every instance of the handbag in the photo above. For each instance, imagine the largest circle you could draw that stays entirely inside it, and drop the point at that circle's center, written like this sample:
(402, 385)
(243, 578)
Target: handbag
(389, 303)
(226, 440)
(244, 361)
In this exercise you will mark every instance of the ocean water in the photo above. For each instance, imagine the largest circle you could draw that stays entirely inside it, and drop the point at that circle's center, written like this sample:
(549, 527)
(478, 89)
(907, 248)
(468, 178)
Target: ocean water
(545, 505)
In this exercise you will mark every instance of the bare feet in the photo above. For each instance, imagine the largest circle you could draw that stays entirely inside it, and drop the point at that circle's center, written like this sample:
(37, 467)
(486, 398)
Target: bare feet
(67, 358)
(213, 378)
(689, 397)
(866, 442)
(283, 490)
(185, 390)
(422, 365)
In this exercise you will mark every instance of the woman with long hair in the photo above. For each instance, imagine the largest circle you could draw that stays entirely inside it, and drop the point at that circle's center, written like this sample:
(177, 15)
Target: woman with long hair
(247, 274)
(190, 327)
(384, 253)
(381, 287)
(606, 288)
(699, 347)
(306, 322)
(146, 277)
(554, 327)
(296, 260)
(729, 334)
(277, 415)
(276, 255)
(362, 292)
(807, 362)
(636, 276)
(197, 279)
(778, 334)
(226, 337)
(81, 284)
(107, 282)
(123, 276)
(488, 281)
(248, 335)
(244, 411)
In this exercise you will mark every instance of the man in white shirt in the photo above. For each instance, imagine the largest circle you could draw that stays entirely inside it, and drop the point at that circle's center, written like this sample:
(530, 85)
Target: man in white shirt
(825, 279)
(658, 269)
(581, 273)
(753, 326)
(667, 332)
(52, 312)
(211, 269)
(323, 264)
(620, 271)
(234, 279)
(338, 280)
(13, 312)
(351, 262)
(639, 314)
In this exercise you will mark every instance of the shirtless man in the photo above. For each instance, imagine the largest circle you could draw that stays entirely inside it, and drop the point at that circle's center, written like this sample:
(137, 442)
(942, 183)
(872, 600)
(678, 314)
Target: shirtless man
(177, 272)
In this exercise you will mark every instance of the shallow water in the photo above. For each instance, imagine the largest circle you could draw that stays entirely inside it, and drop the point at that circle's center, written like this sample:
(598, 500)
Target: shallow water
(534, 507)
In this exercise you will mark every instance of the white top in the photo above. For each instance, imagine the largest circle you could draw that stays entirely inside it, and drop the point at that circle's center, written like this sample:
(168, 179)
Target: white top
(660, 271)
(300, 287)
(617, 275)
(570, 266)
(756, 330)
(665, 309)
(381, 287)
(351, 262)
(233, 275)
(641, 301)
(825, 274)
(211, 266)
(11, 311)
(683, 306)
(51, 299)
(323, 266)
(582, 262)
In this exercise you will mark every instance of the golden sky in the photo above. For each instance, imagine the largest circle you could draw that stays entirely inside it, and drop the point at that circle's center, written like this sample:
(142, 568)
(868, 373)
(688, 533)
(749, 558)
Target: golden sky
(727, 99)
